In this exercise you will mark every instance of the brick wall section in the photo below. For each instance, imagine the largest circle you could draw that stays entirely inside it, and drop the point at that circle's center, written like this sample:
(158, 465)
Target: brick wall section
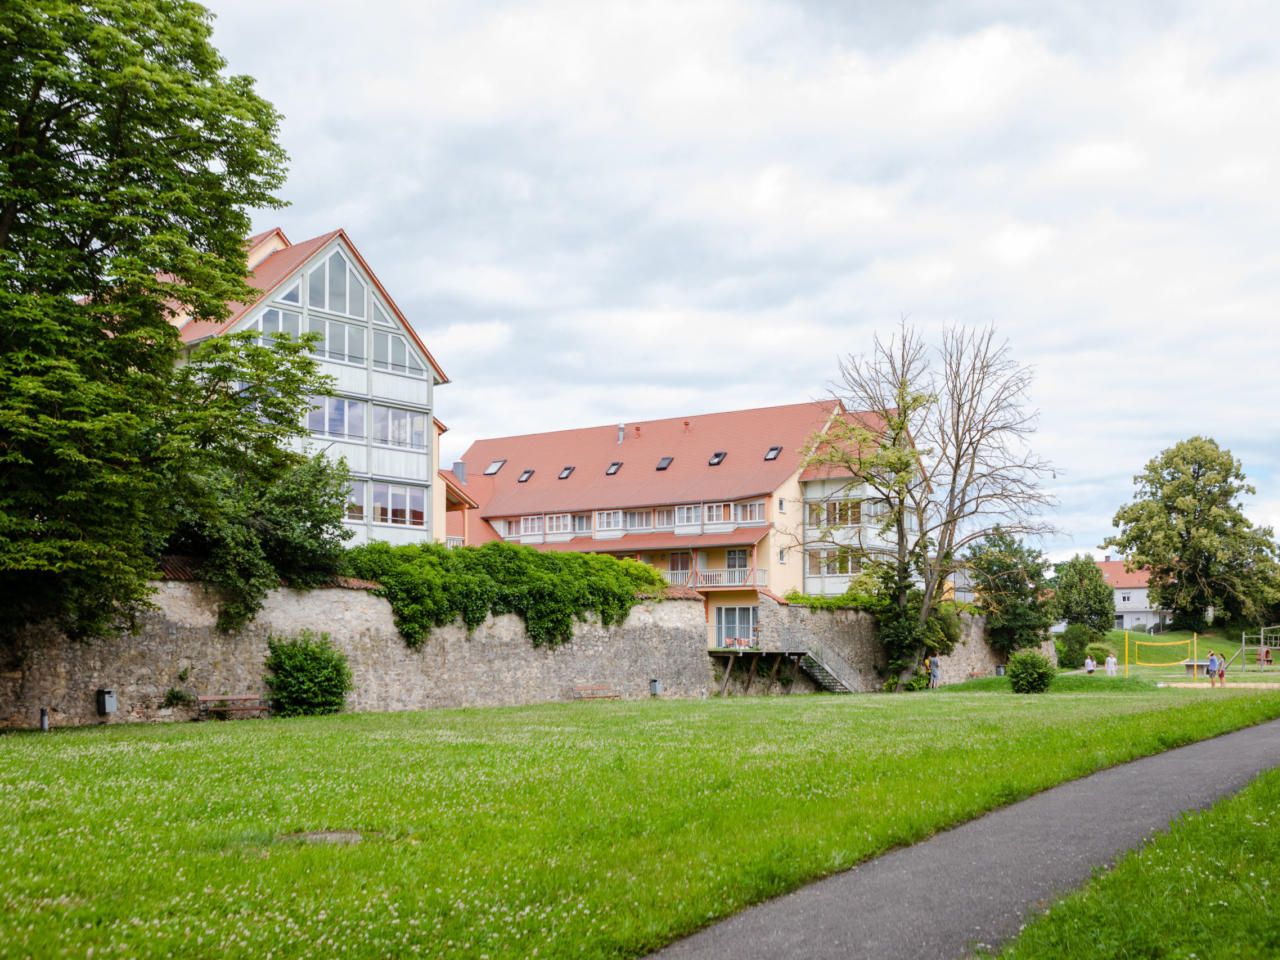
(495, 666)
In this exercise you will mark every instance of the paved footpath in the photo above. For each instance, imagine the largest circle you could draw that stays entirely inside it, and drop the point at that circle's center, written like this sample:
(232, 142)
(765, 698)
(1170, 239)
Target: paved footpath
(979, 882)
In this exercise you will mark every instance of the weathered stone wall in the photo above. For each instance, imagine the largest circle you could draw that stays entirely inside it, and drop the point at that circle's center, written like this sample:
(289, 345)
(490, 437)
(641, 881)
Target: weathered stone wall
(179, 647)
(842, 640)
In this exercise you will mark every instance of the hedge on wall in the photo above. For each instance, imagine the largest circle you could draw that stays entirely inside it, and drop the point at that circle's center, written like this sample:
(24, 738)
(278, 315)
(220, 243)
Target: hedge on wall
(429, 585)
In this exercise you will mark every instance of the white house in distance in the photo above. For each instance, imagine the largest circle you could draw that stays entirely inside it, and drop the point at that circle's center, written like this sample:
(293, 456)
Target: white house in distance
(381, 419)
(1133, 607)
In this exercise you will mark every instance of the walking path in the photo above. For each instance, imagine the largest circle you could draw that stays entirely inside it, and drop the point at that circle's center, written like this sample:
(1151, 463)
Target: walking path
(979, 882)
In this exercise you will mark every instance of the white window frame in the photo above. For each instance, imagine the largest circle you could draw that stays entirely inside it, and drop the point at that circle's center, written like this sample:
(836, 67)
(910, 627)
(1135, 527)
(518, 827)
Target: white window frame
(608, 519)
(637, 519)
(352, 274)
(530, 526)
(688, 515)
(325, 407)
(394, 493)
(752, 511)
(399, 421)
(664, 518)
(356, 500)
(558, 523)
(748, 630)
(715, 512)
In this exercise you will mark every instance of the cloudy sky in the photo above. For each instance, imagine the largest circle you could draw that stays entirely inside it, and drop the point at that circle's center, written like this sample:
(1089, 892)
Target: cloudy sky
(597, 212)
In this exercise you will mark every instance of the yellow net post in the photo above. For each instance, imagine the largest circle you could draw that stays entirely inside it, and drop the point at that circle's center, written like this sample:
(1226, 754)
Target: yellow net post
(1126, 654)
(1195, 655)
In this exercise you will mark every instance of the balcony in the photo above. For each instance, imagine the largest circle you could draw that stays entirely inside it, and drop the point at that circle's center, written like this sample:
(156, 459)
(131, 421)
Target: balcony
(697, 579)
(452, 542)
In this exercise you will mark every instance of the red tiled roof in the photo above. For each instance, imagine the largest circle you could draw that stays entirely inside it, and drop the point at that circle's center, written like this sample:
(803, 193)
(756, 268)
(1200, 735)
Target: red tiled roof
(455, 487)
(187, 570)
(639, 542)
(744, 436)
(1118, 578)
(277, 268)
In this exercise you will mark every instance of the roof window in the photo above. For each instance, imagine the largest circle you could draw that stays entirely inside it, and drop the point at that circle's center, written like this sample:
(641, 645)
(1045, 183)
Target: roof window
(493, 467)
(524, 476)
(717, 458)
(664, 463)
(613, 468)
(564, 474)
(772, 453)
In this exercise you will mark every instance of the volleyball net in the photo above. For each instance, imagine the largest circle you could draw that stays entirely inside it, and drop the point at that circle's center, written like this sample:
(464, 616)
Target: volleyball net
(1162, 653)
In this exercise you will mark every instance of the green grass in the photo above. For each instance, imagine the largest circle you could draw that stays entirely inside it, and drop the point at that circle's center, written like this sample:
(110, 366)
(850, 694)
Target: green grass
(563, 830)
(1210, 887)
(1062, 683)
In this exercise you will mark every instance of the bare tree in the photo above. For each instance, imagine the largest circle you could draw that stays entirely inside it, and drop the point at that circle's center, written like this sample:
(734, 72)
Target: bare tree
(938, 441)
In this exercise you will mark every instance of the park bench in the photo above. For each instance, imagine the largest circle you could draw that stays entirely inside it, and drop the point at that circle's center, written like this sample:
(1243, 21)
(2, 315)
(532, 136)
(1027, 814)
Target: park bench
(595, 691)
(225, 706)
(1197, 668)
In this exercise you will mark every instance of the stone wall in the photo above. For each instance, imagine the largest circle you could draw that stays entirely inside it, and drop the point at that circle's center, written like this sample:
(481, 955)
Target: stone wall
(180, 648)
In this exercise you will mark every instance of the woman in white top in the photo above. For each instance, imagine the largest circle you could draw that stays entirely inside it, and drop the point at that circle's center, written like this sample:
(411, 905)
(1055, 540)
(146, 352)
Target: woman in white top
(1090, 665)
(1111, 664)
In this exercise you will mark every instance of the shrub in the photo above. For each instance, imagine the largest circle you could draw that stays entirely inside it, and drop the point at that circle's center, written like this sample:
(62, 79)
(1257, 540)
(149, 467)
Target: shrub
(1030, 672)
(173, 697)
(1072, 643)
(307, 675)
(429, 586)
(1099, 652)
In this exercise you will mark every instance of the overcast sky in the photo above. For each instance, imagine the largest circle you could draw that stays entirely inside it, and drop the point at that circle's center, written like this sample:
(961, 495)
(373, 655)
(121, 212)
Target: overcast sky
(598, 212)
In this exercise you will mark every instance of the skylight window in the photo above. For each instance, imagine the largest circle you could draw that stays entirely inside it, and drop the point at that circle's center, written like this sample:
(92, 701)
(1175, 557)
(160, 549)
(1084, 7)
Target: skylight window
(493, 468)
(524, 476)
(565, 473)
(717, 458)
(613, 468)
(664, 463)
(772, 453)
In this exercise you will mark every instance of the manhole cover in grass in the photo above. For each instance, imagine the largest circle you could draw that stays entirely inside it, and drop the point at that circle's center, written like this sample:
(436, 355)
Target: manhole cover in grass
(337, 837)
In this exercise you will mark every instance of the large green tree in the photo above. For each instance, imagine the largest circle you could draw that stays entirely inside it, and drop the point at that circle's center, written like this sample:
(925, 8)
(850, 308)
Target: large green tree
(1009, 582)
(1186, 524)
(128, 161)
(1082, 595)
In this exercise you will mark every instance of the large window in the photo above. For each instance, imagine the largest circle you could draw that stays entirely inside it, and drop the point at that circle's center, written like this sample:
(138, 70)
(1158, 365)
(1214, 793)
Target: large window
(752, 512)
(335, 286)
(609, 520)
(834, 562)
(394, 503)
(399, 428)
(718, 512)
(558, 523)
(355, 500)
(736, 559)
(392, 352)
(637, 519)
(530, 525)
(582, 523)
(274, 321)
(664, 519)
(689, 515)
(336, 417)
(835, 513)
(736, 626)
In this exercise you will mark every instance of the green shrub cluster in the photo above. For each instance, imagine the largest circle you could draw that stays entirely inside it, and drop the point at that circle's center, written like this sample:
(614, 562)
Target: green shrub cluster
(429, 586)
(1072, 644)
(1030, 672)
(307, 675)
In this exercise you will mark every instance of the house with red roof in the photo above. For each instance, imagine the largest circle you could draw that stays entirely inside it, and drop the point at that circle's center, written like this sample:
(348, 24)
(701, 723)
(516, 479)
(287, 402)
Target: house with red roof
(1134, 610)
(721, 503)
(381, 419)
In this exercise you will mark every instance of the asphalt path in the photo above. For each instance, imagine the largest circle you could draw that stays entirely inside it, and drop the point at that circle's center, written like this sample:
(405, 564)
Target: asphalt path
(978, 883)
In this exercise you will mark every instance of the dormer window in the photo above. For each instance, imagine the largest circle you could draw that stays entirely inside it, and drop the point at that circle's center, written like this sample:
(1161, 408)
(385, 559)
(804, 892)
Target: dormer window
(524, 476)
(717, 458)
(494, 467)
(613, 468)
(772, 453)
(664, 463)
(566, 473)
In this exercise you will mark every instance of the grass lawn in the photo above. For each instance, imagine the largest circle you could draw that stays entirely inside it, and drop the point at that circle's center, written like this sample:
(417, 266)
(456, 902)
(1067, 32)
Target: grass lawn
(1164, 664)
(597, 829)
(1210, 887)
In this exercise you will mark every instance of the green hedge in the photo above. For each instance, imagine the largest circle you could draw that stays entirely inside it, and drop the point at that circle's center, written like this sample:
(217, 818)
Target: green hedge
(429, 586)
(307, 675)
(1030, 672)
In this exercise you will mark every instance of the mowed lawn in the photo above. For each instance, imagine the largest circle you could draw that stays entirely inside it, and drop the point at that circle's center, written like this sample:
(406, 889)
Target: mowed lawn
(597, 829)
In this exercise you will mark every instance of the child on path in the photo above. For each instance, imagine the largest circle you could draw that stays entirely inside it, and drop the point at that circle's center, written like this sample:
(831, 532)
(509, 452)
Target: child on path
(1111, 664)
(1090, 665)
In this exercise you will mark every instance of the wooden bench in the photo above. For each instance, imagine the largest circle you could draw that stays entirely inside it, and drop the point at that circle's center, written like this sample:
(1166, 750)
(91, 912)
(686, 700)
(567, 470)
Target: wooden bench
(596, 691)
(226, 706)
(1197, 668)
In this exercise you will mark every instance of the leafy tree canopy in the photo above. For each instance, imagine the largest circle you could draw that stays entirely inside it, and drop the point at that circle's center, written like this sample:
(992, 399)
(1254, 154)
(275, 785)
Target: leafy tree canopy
(128, 162)
(1082, 595)
(1186, 524)
(1009, 581)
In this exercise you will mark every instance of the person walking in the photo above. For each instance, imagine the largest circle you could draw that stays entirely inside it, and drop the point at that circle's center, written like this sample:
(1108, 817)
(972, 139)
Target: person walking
(1111, 664)
(1090, 665)
(935, 672)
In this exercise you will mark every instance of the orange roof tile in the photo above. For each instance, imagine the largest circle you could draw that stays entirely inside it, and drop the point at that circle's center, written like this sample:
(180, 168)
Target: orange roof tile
(643, 542)
(455, 488)
(1118, 578)
(743, 435)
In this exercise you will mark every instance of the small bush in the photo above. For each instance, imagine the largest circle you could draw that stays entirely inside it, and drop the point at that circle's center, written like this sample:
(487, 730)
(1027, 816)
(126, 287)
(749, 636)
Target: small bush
(173, 697)
(1099, 652)
(307, 675)
(1030, 672)
(1072, 643)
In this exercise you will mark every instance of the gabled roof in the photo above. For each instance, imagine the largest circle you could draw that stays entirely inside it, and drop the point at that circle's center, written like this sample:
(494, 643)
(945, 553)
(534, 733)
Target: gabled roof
(1118, 578)
(744, 436)
(280, 266)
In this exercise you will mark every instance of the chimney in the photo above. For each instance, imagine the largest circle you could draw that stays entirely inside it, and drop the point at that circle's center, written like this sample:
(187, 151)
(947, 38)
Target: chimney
(460, 471)
(622, 432)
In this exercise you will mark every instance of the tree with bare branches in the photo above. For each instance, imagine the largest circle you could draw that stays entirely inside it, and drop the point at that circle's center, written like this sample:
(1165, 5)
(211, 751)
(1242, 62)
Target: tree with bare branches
(939, 451)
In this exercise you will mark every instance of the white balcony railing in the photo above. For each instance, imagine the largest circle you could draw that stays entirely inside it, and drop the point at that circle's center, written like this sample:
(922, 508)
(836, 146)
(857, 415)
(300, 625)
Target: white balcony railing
(737, 577)
(452, 542)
